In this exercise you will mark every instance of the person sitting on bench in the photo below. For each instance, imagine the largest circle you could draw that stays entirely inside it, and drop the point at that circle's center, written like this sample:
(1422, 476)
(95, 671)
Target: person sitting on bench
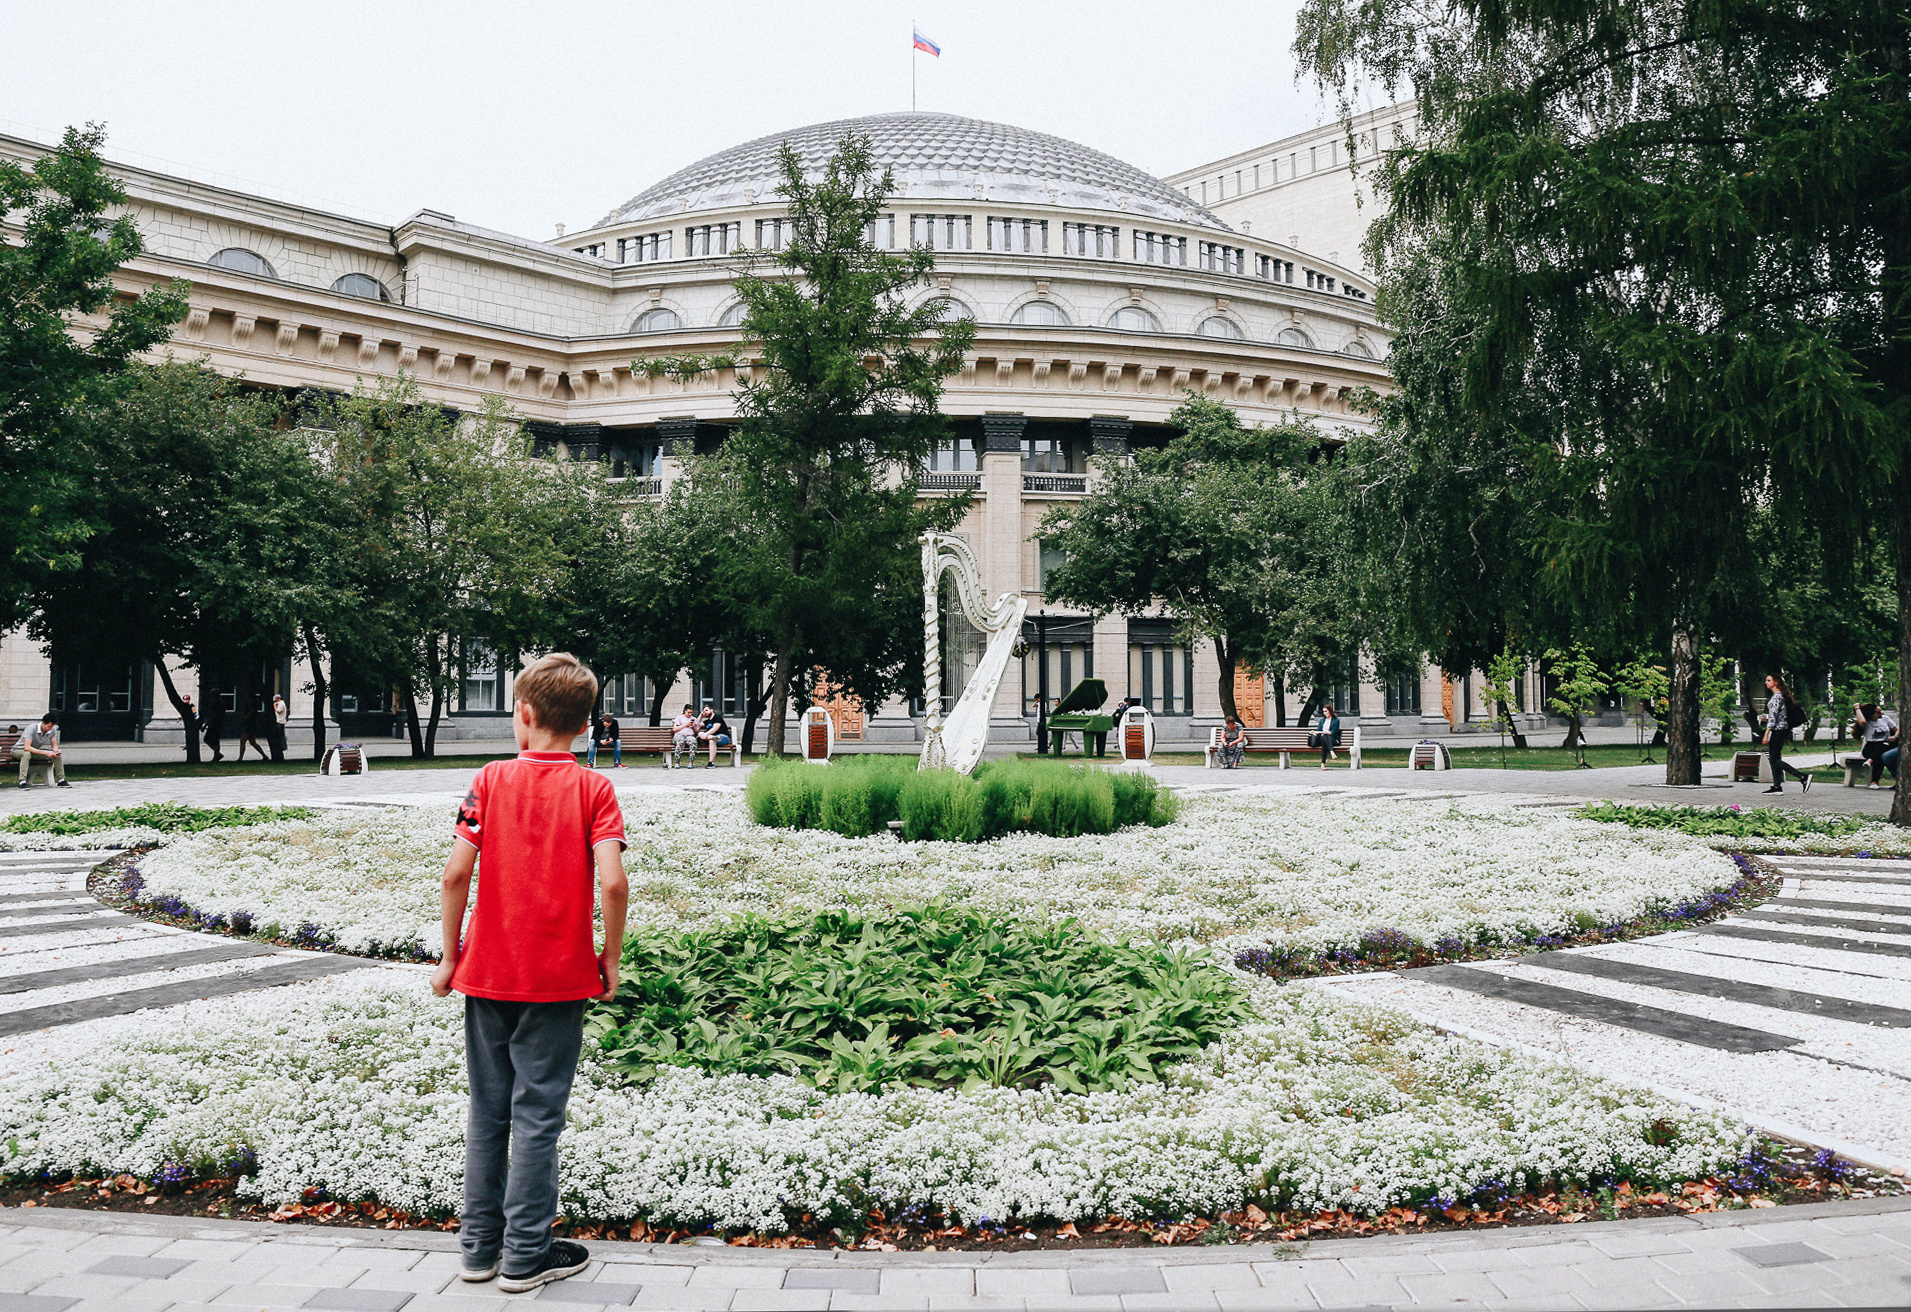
(1233, 744)
(1326, 736)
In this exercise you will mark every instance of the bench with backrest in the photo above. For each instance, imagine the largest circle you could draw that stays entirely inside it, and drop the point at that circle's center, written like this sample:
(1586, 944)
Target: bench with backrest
(655, 739)
(8, 741)
(1287, 742)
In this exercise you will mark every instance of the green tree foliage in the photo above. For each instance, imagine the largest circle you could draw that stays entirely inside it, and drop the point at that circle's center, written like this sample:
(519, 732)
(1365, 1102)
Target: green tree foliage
(839, 410)
(211, 531)
(63, 332)
(1230, 530)
(1718, 693)
(1643, 687)
(1502, 672)
(454, 535)
(1677, 236)
(1577, 686)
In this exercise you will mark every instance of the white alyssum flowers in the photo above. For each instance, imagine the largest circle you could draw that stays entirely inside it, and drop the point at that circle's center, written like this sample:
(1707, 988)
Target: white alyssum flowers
(354, 1085)
(1300, 872)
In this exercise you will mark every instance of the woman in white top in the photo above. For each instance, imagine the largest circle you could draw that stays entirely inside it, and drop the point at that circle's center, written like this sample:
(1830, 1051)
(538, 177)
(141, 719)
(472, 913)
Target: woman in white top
(1878, 730)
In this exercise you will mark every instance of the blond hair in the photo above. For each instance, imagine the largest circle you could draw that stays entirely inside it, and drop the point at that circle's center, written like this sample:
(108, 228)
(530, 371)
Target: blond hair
(561, 691)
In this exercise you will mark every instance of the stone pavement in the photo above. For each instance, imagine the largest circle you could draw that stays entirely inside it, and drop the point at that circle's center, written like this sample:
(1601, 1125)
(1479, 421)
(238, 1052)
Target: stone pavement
(1844, 1254)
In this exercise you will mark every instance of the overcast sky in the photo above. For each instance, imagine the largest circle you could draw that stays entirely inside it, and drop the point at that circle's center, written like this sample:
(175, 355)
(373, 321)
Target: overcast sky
(522, 116)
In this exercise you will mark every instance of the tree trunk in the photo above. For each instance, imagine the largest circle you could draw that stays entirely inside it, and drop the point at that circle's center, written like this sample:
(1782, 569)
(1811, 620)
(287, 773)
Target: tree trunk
(1315, 700)
(321, 691)
(1226, 659)
(753, 705)
(779, 701)
(1901, 796)
(409, 696)
(1280, 701)
(1682, 711)
(1572, 733)
(437, 709)
(1506, 717)
(186, 717)
(657, 700)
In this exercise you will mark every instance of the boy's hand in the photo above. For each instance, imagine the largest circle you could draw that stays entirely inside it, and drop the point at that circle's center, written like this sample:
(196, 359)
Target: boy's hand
(607, 971)
(441, 978)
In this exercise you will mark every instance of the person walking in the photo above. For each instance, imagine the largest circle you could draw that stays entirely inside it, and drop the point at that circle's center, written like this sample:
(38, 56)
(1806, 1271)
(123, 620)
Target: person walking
(1880, 734)
(40, 750)
(1781, 713)
(214, 720)
(275, 728)
(249, 734)
(534, 830)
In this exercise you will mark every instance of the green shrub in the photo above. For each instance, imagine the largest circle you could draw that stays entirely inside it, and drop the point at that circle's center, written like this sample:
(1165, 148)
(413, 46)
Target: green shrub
(1723, 821)
(859, 795)
(167, 817)
(933, 996)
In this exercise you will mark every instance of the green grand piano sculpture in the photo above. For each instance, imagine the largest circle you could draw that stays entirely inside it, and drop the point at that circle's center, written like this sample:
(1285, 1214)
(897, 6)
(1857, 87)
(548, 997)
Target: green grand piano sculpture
(1080, 712)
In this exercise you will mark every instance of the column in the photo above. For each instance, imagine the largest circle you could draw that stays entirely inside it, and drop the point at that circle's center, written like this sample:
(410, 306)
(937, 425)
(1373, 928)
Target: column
(677, 438)
(1003, 554)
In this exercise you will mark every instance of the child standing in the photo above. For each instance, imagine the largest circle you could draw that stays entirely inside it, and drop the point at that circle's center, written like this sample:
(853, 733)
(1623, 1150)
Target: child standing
(535, 824)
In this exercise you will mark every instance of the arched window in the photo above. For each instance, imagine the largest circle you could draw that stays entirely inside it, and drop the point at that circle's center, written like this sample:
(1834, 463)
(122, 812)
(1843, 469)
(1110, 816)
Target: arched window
(361, 284)
(657, 321)
(733, 316)
(1216, 326)
(953, 310)
(1357, 349)
(1135, 320)
(1293, 337)
(1040, 314)
(241, 260)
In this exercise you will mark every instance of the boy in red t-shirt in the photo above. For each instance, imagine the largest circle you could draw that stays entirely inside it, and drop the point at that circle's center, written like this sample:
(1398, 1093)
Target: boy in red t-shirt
(527, 968)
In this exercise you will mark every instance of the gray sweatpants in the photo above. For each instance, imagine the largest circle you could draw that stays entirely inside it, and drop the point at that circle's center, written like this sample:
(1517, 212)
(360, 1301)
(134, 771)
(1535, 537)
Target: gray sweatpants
(522, 1057)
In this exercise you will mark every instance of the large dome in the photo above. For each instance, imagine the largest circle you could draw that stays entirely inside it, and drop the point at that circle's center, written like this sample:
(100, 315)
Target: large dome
(933, 157)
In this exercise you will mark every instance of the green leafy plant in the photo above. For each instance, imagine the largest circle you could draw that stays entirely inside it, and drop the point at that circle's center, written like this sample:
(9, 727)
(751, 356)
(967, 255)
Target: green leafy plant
(1501, 674)
(1650, 687)
(932, 996)
(1725, 821)
(860, 795)
(167, 817)
(1578, 685)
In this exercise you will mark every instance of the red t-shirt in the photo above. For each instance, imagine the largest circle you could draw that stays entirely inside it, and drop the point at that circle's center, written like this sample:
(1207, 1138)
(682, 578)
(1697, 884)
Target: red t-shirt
(534, 821)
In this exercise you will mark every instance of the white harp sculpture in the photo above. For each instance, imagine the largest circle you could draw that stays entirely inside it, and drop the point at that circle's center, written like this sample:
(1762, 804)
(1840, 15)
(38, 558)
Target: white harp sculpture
(957, 743)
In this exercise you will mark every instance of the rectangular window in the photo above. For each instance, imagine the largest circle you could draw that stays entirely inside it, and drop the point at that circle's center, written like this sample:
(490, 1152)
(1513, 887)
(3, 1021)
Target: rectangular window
(1403, 696)
(1161, 677)
(1159, 248)
(1020, 236)
(1050, 455)
(1219, 258)
(627, 695)
(1344, 692)
(644, 250)
(939, 232)
(1094, 241)
(726, 684)
(774, 234)
(881, 232)
(629, 459)
(707, 239)
(953, 456)
(1048, 559)
(481, 682)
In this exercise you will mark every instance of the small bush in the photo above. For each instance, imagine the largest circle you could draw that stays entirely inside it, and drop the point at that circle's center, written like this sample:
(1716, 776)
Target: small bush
(1723, 821)
(860, 795)
(167, 817)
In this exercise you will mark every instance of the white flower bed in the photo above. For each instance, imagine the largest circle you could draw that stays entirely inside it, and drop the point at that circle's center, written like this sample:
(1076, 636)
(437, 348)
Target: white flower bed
(1234, 872)
(130, 836)
(355, 1085)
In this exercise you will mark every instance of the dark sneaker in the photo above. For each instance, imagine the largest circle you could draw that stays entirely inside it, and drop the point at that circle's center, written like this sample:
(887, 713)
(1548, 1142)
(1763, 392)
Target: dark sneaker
(1774, 789)
(476, 1274)
(563, 1258)
(1804, 784)
(64, 784)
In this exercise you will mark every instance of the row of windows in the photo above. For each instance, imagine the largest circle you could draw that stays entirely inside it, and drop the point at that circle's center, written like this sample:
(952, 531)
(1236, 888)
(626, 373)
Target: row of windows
(1040, 455)
(241, 260)
(956, 232)
(1043, 314)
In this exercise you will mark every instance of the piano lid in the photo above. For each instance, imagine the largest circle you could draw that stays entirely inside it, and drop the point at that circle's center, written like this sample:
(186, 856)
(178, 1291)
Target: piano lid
(1088, 695)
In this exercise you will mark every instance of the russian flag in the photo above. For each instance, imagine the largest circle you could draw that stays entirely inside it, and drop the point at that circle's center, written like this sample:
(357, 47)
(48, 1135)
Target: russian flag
(924, 43)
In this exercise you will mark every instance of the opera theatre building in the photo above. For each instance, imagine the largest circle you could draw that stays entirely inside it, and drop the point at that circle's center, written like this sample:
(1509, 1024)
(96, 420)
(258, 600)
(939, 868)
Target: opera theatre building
(1099, 293)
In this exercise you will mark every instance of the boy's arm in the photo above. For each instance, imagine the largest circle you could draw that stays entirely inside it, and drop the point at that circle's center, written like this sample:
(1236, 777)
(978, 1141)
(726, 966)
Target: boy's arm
(454, 892)
(614, 889)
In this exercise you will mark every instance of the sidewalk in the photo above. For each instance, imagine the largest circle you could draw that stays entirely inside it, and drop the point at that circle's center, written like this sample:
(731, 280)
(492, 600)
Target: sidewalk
(1841, 1254)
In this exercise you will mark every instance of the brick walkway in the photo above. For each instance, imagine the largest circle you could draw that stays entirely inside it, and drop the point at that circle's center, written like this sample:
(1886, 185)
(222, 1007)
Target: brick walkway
(1827, 1254)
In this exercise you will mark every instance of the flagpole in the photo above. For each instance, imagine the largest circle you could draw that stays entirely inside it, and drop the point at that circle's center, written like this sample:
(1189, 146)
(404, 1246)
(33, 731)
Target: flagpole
(912, 66)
